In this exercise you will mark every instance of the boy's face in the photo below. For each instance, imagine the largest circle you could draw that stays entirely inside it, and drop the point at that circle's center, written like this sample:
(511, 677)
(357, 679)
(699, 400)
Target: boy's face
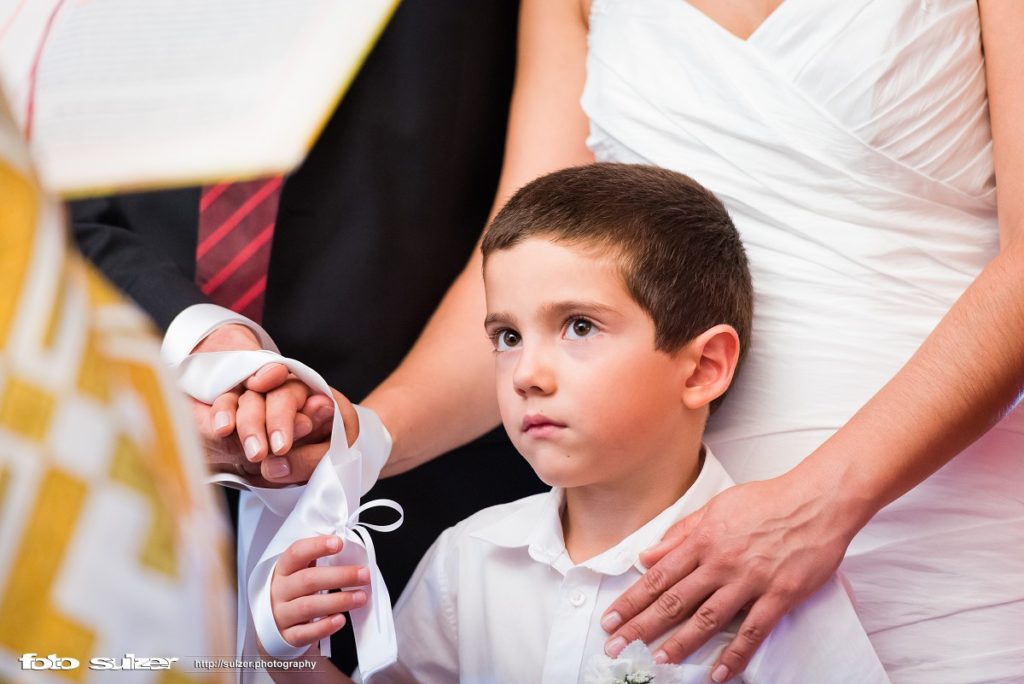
(583, 392)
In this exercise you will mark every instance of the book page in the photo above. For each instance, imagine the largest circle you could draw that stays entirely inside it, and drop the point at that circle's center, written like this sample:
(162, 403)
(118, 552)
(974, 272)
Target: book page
(22, 25)
(132, 94)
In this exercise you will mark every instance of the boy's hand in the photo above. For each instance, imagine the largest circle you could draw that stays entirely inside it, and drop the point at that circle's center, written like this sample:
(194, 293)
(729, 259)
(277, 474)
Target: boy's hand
(294, 591)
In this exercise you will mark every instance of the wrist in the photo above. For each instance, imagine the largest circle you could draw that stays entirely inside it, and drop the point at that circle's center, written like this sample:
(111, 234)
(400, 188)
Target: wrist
(193, 325)
(381, 402)
(230, 336)
(850, 497)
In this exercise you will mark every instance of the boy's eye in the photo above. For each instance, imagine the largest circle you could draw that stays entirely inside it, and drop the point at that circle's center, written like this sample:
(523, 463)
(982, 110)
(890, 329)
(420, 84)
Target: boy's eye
(579, 328)
(506, 339)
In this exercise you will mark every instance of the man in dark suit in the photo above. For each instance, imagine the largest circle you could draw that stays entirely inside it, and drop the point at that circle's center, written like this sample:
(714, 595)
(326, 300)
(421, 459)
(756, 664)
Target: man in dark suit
(370, 231)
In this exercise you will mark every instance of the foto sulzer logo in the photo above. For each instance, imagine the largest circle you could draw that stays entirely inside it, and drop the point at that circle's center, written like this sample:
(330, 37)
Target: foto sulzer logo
(34, 661)
(130, 661)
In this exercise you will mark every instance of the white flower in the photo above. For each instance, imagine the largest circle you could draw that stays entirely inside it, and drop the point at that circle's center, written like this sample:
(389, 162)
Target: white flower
(635, 665)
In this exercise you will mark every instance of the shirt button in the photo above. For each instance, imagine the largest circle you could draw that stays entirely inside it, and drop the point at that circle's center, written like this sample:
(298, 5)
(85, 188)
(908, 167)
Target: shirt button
(578, 598)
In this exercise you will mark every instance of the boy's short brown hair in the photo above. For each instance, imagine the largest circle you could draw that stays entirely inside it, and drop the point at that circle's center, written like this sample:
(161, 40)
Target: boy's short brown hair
(680, 255)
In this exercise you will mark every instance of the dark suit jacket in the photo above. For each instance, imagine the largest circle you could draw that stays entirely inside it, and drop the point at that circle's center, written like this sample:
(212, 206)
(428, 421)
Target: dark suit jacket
(371, 230)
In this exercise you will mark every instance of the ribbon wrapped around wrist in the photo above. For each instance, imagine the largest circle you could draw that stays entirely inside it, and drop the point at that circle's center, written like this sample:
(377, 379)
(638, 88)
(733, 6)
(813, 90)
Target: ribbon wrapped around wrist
(328, 504)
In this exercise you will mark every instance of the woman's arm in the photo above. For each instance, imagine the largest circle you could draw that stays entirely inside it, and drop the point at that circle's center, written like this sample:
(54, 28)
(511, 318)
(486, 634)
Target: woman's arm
(442, 395)
(770, 544)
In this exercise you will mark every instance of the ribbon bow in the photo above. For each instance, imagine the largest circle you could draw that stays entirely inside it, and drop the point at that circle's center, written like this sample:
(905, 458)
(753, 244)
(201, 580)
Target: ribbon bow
(328, 504)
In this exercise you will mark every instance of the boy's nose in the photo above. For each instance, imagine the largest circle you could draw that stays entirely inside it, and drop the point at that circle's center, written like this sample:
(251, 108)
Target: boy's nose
(533, 373)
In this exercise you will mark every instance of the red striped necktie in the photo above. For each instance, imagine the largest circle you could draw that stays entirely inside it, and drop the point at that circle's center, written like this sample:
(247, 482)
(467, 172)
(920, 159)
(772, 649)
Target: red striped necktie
(236, 224)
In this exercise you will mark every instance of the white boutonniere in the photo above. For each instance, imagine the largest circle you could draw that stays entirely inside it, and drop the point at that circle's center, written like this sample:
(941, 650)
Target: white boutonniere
(635, 665)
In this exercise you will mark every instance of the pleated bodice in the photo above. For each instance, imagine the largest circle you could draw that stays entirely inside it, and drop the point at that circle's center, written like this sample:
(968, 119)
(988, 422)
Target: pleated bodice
(850, 143)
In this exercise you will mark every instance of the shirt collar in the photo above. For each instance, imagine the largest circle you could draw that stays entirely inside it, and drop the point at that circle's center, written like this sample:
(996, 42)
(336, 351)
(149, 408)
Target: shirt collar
(537, 525)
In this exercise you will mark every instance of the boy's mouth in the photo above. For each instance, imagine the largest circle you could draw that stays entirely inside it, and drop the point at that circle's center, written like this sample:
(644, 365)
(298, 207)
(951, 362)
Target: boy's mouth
(536, 425)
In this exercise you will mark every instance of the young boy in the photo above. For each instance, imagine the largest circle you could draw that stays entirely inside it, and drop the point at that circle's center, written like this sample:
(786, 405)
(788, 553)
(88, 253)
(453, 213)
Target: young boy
(619, 305)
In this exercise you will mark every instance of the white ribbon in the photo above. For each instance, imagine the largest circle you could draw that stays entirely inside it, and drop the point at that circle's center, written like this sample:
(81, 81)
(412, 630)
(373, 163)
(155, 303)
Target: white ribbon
(328, 504)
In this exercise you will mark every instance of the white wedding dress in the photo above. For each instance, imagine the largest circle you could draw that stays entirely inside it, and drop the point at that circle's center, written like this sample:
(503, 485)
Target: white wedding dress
(850, 142)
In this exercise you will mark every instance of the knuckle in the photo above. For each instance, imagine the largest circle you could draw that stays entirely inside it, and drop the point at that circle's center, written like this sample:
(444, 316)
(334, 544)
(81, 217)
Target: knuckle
(752, 634)
(758, 570)
(735, 658)
(306, 607)
(278, 397)
(731, 557)
(307, 583)
(702, 538)
(291, 555)
(300, 609)
(786, 588)
(655, 580)
(706, 619)
(721, 564)
(248, 399)
(670, 606)
(290, 393)
(627, 606)
(277, 418)
(296, 386)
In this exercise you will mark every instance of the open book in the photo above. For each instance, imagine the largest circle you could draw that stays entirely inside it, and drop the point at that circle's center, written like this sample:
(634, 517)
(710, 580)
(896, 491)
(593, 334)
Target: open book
(135, 94)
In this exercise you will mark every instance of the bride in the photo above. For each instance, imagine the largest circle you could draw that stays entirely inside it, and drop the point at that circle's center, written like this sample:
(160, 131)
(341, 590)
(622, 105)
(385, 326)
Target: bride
(856, 145)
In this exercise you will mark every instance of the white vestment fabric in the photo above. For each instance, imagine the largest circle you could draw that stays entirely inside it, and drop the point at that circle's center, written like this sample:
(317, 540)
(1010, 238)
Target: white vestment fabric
(850, 143)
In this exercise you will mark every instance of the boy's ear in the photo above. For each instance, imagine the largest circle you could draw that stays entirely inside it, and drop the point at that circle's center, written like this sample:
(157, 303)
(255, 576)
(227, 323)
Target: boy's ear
(714, 354)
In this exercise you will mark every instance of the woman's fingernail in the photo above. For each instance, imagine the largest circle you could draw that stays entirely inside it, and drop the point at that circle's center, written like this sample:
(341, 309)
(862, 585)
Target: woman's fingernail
(614, 647)
(359, 597)
(278, 467)
(263, 370)
(333, 544)
(338, 620)
(720, 674)
(277, 440)
(363, 574)
(252, 446)
(302, 428)
(611, 622)
(221, 420)
(660, 657)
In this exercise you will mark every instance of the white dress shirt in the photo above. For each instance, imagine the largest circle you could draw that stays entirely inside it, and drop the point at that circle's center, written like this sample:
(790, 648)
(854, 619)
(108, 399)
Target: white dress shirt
(497, 599)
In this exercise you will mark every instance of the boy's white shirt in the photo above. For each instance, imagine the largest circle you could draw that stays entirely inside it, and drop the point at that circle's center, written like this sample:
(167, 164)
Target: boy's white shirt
(503, 578)
(497, 599)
